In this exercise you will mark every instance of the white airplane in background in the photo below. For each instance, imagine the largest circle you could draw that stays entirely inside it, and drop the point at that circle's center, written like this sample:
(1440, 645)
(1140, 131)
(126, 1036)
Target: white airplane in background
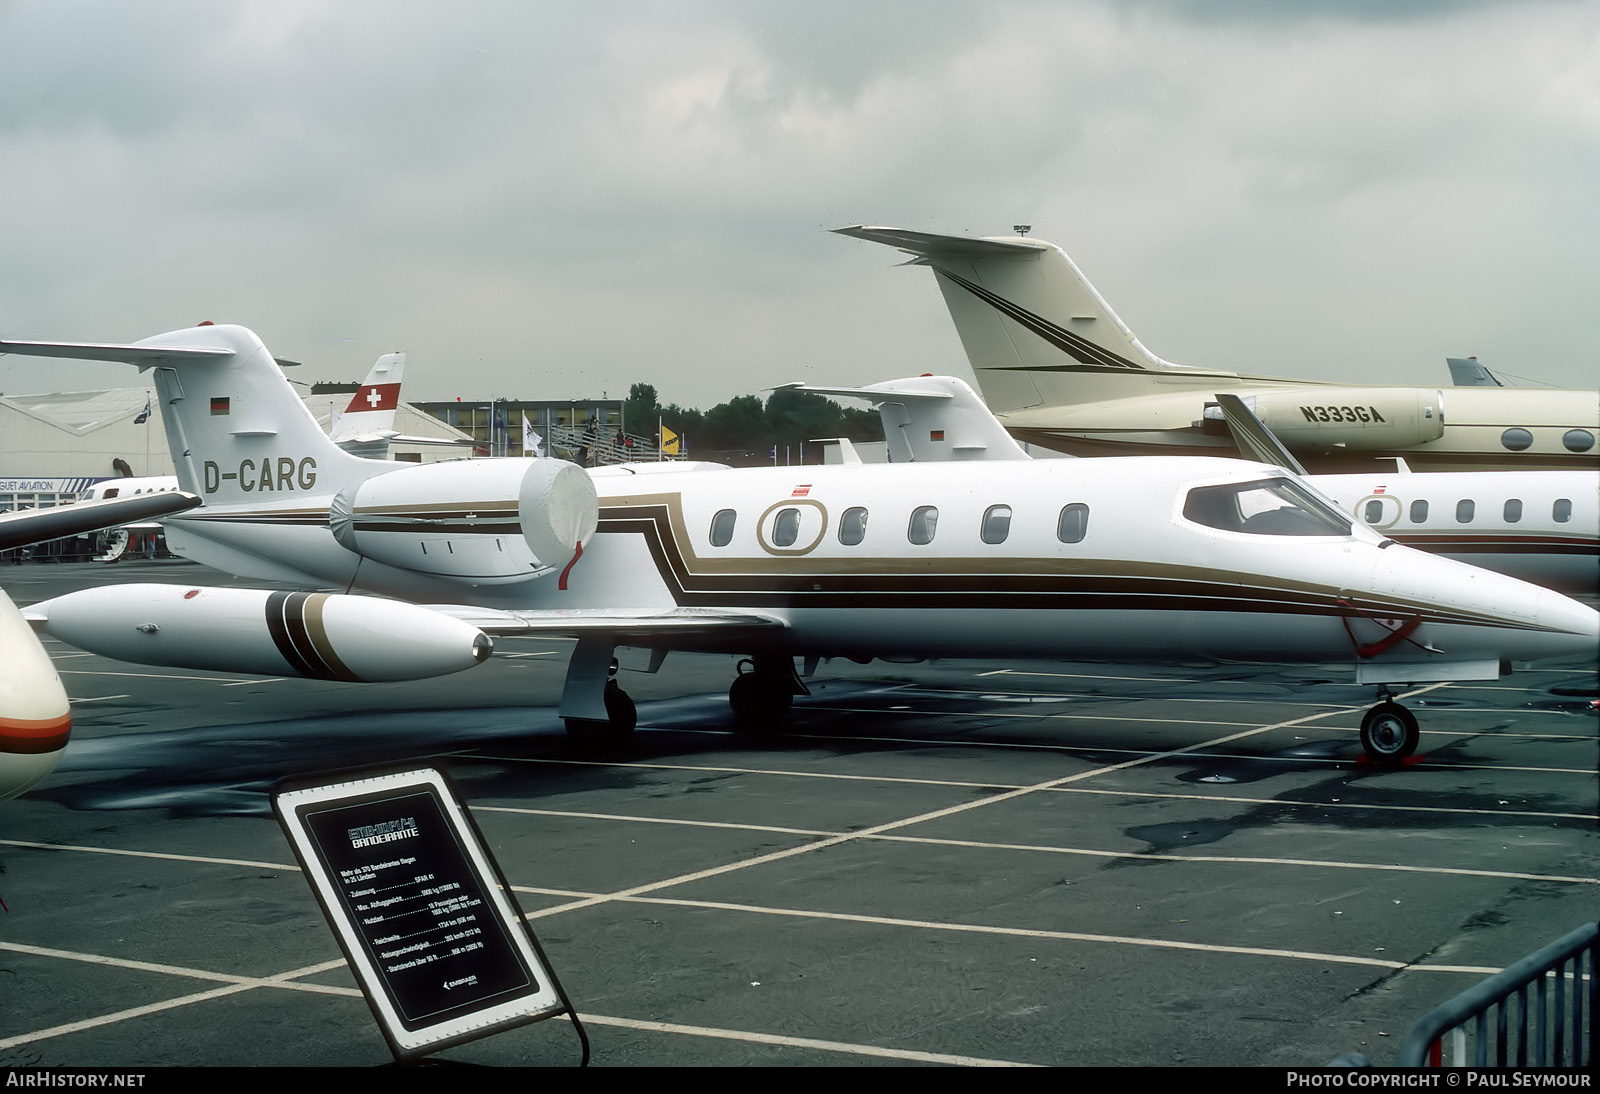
(1143, 560)
(1060, 369)
(1540, 526)
(35, 721)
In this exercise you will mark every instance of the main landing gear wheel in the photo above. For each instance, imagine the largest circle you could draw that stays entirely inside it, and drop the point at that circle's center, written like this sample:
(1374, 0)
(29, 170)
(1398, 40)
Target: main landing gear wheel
(1389, 733)
(760, 699)
(621, 717)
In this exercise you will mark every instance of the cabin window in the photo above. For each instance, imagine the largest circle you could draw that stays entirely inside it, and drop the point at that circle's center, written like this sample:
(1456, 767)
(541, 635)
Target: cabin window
(1577, 440)
(1373, 512)
(1513, 510)
(1073, 523)
(924, 522)
(111, 492)
(1517, 439)
(853, 526)
(1464, 510)
(1264, 507)
(996, 524)
(786, 529)
(1562, 510)
(1419, 511)
(722, 527)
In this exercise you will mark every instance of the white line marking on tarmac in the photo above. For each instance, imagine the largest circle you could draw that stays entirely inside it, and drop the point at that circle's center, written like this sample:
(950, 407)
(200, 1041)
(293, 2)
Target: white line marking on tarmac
(207, 860)
(1383, 807)
(983, 845)
(635, 897)
(288, 981)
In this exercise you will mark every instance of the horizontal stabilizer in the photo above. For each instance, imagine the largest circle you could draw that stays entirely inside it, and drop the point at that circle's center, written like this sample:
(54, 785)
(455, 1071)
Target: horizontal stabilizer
(928, 243)
(931, 418)
(143, 356)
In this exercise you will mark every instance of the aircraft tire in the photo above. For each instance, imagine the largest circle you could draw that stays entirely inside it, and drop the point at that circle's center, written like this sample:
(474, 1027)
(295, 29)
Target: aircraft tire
(620, 710)
(621, 717)
(1389, 733)
(759, 702)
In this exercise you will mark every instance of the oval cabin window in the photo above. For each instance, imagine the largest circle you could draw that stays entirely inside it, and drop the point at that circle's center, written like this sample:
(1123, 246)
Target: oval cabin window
(1513, 510)
(853, 526)
(924, 522)
(1562, 510)
(996, 524)
(1577, 440)
(1464, 511)
(1419, 511)
(1517, 439)
(786, 528)
(1073, 523)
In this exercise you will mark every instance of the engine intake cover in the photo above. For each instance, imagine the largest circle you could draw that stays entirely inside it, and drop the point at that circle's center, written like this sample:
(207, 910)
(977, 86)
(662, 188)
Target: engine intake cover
(478, 520)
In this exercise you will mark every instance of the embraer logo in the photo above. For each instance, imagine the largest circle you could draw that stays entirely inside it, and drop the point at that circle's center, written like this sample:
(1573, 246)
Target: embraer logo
(1342, 414)
(272, 474)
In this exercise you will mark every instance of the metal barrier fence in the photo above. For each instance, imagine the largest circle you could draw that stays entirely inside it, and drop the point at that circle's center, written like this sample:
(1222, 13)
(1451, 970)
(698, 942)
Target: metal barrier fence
(1497, 1024)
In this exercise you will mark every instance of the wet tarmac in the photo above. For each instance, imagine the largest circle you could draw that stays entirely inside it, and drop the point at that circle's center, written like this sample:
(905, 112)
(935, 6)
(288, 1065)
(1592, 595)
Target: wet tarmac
(963, 862)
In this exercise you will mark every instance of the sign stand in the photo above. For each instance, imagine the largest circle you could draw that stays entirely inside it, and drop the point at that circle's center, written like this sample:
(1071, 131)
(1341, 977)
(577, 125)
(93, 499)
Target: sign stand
(421, 910)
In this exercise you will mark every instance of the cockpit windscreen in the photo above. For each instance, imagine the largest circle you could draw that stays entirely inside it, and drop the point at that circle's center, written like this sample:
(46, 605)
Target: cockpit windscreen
(1265, 507)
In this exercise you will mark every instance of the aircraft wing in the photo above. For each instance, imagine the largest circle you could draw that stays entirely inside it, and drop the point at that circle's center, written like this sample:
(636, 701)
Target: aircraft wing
(25, 526)
(619, 624)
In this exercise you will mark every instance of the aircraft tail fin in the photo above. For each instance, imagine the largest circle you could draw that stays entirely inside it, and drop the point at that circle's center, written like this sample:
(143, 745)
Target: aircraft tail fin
(1467, 372)
(366, 426)
(237, 430)
(1021, 307)
(931, 418)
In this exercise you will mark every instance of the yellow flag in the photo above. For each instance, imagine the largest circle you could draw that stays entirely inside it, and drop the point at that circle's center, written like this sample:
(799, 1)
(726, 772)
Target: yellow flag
(669, 442)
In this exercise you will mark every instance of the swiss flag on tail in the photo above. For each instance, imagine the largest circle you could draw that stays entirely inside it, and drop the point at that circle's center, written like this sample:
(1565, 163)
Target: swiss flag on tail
(375, 397)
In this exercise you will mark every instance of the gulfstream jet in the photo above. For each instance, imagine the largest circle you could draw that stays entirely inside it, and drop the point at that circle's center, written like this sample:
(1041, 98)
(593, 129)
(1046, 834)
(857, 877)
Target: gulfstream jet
(1062, 370)
(1141, 560)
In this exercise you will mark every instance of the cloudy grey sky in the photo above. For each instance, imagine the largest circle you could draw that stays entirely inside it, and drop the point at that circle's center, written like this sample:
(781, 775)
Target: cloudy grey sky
(554, 199)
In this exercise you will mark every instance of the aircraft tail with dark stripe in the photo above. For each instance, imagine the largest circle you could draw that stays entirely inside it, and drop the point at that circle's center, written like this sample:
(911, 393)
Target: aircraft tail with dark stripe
(1023, 309)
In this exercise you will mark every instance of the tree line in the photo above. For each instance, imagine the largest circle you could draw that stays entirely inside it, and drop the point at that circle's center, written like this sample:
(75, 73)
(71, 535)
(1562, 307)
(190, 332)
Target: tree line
(787, 419)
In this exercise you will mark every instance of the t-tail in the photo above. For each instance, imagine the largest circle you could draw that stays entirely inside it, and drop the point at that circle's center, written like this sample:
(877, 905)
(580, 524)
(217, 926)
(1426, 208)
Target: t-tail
(238, 432)
(1023, 310)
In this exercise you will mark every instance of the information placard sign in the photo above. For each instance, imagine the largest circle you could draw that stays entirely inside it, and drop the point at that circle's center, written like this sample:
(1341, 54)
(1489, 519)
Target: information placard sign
(419, 908)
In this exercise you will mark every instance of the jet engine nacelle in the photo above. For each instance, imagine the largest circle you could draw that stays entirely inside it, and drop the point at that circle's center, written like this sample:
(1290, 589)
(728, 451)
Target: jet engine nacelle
(478, 520)
(1315, 417)
(323, 636)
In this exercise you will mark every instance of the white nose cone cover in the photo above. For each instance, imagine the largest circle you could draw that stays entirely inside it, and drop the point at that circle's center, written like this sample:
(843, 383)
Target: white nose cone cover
(34, 719)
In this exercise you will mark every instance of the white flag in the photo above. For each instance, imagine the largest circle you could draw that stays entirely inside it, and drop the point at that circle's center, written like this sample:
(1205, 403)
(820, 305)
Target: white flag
(530, 440)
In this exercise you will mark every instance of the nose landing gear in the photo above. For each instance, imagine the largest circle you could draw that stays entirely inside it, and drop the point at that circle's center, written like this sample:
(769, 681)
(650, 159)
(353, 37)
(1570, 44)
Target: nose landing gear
(1389, 732)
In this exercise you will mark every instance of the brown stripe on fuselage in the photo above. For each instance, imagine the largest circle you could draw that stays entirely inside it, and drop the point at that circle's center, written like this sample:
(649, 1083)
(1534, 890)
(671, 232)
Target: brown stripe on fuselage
(999, 582)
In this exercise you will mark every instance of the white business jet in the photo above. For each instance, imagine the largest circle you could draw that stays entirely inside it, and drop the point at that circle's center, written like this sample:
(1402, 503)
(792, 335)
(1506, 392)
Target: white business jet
(1144, 560)
(1540, 526)
(1061, 369)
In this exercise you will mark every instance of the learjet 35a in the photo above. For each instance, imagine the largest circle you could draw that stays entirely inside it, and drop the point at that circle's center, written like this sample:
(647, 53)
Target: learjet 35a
(1061, 369)
(1143, 560)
